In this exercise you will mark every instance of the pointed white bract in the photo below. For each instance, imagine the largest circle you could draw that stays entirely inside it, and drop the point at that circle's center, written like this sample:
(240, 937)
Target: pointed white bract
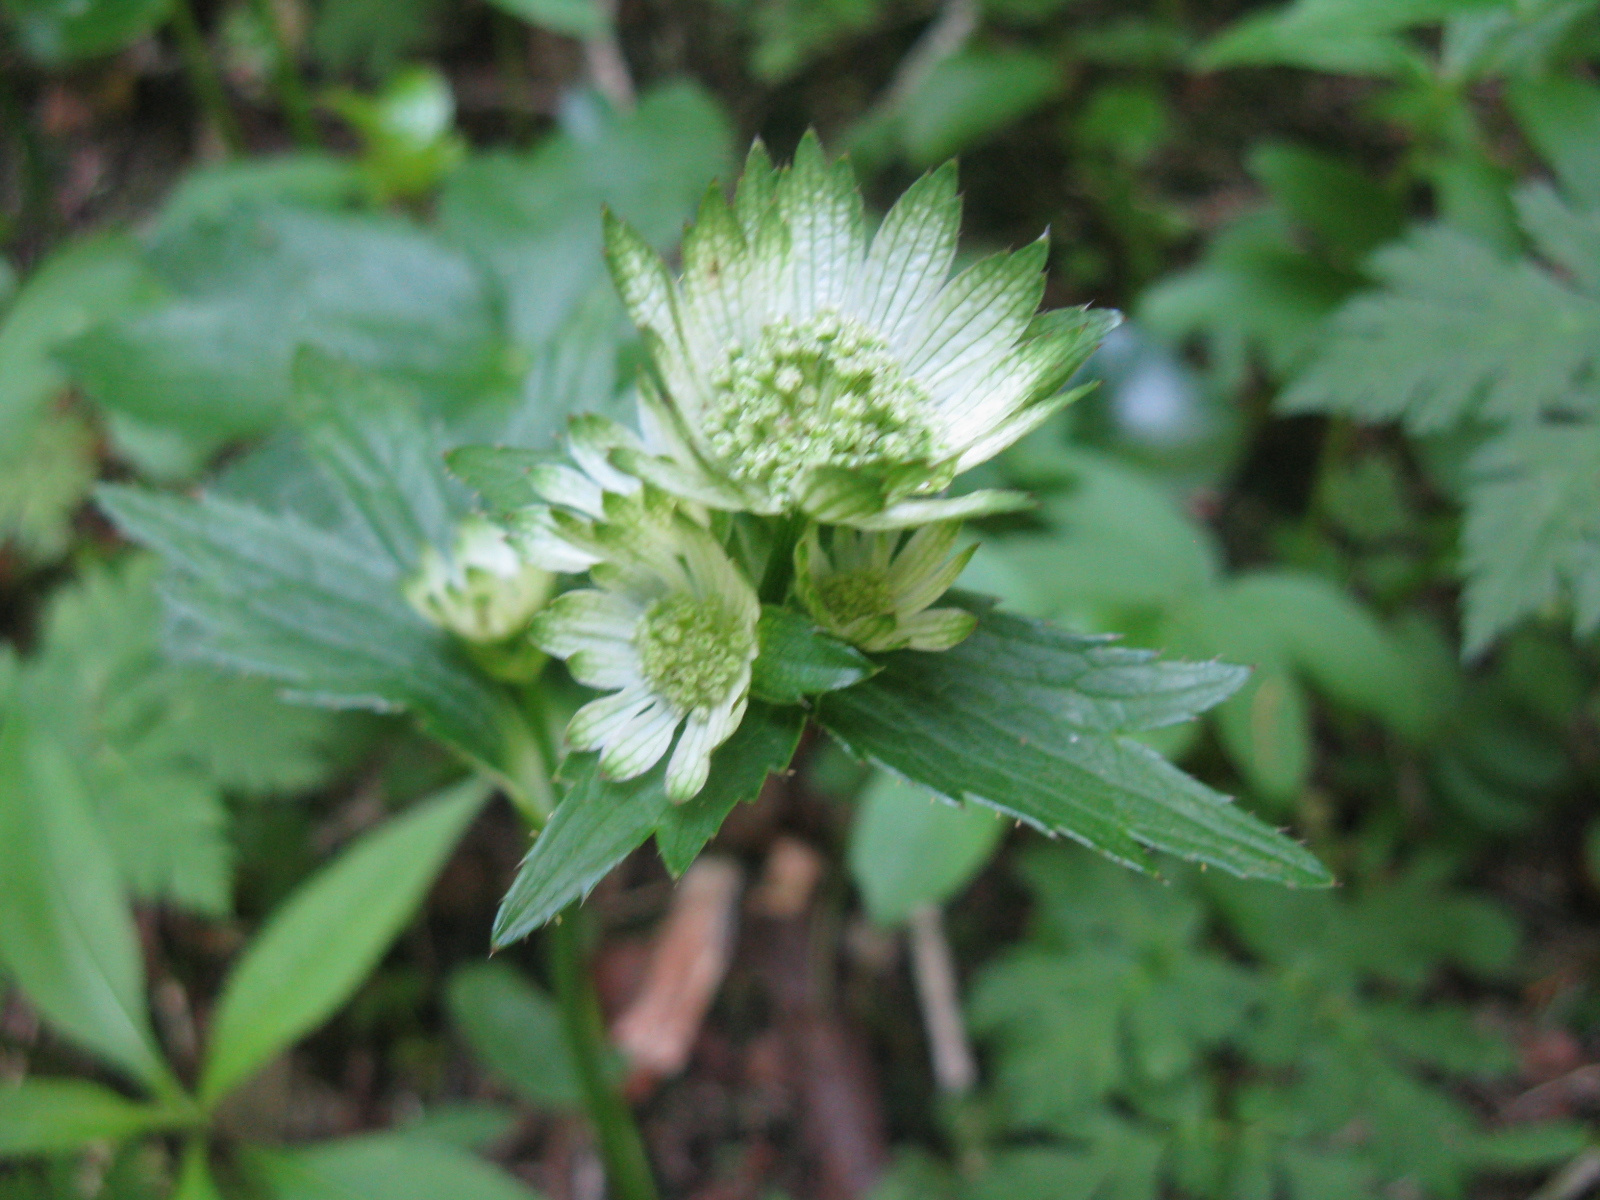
(669, 632)
(874, 589)
(484, 590)
(800, 366)
(563, 535)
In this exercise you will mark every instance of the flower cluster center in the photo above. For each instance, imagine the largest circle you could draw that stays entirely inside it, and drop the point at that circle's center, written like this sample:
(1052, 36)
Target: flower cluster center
(856, 595)
(822, 392)
(693, 651)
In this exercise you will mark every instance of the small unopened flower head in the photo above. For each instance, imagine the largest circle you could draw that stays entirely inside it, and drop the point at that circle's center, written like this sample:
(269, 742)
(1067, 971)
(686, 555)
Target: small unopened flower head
(801, 366)
(670, 632)
(484, 590)
(874, 589)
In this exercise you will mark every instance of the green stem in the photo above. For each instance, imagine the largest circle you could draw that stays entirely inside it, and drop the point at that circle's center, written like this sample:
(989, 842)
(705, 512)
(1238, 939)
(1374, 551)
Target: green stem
(35, 215)
(203, 76)
(286, 78)
(621, 1148)
(780, 559)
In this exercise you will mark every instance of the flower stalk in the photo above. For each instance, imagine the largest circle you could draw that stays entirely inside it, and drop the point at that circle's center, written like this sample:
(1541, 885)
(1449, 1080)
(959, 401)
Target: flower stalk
(621, 1146)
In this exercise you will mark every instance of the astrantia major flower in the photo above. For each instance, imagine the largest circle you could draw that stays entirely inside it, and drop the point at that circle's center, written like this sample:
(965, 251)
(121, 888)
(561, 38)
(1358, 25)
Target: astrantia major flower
(801, 366)
(671, 632)
(874, 589)
(483, 590)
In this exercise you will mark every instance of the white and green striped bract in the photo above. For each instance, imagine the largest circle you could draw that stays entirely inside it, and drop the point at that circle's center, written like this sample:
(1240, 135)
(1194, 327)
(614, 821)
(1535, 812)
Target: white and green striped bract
(798, 365)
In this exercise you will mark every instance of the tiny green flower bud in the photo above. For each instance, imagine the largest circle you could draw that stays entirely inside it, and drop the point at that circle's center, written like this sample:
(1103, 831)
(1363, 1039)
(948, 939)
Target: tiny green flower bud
(485, 593)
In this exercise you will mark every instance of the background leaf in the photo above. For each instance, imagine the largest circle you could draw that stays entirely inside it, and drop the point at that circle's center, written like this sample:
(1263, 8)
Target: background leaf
(66, 935)
(212, 361)
(909, 847)
(382, 1166)
(515, 1031)
(535, 218)
(575, 18)
(380, 456)
(62, 31)
(49, 1116)
(273, 596)
(319, 946)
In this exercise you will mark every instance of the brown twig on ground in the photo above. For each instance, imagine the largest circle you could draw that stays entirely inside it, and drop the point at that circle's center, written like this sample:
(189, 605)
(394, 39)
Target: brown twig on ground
(841, 1119)
(1556, 1098)
(1578, 1178)
(607, 66)
(954, 1068)
(948, 32)
(687, 966)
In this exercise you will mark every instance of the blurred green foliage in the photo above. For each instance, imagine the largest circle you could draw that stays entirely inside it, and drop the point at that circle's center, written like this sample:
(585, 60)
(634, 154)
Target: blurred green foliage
(1380, 218)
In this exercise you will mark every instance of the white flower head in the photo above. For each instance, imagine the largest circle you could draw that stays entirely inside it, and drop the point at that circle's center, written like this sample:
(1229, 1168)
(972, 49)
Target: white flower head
(801, 366)
(874, 591)
(671, 632)
(484, 590)
(562, 535)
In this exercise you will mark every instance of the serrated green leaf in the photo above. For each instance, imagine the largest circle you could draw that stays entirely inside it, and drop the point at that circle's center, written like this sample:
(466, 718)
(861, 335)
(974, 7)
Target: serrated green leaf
(382, 1166)
(273, 596)
(321, 944)
(380, 455)
(600, 822)
(1532, 534)
(908, 847)
(1457, 332)
(1028, 720)
(515, 1031)
(155, 744)
(66, 935)
(763, 745)
(596, 825)
(51, 1116)
(798, 660)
